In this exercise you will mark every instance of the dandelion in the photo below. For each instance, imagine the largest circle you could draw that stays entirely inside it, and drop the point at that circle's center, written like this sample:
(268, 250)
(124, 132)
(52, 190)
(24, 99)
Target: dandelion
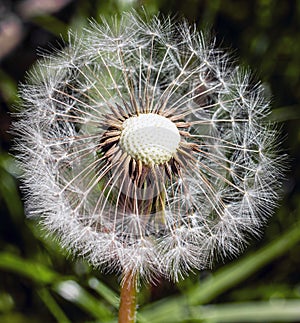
(145, 150)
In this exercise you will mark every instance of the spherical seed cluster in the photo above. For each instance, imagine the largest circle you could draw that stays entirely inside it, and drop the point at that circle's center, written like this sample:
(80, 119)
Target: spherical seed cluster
(129, 198)
(150, 138)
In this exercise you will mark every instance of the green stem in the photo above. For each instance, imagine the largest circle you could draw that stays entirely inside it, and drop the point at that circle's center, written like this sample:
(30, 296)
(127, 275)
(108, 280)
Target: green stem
(127, 310)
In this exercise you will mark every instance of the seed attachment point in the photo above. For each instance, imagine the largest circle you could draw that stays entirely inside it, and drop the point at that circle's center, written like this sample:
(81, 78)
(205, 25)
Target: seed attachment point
(150, 137)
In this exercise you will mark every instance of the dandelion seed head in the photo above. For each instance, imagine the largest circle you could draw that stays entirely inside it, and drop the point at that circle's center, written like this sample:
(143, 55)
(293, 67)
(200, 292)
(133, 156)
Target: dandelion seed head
(145, 150)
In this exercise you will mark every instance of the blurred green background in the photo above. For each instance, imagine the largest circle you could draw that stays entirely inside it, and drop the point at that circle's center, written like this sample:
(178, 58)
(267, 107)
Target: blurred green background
(39, 284)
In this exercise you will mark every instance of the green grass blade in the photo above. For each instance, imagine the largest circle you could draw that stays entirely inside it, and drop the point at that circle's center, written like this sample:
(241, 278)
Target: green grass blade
(273, 311)
(238, 271)
(73, 292)
(52, 305)
(109, 295)
(28, 268)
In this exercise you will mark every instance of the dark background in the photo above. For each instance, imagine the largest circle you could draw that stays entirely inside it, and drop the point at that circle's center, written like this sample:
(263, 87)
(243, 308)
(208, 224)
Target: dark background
(39, 284)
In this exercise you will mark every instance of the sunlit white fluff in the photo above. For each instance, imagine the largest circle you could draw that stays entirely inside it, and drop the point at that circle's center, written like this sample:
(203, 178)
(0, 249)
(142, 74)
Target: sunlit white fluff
(201, 203)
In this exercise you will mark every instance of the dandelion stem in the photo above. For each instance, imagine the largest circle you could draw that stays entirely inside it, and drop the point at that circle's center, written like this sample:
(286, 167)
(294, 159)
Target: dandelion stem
(127, 310)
